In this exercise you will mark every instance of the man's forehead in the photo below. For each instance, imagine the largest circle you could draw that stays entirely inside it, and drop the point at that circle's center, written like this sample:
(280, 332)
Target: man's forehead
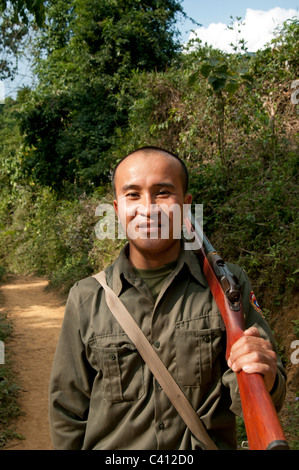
(145, 157)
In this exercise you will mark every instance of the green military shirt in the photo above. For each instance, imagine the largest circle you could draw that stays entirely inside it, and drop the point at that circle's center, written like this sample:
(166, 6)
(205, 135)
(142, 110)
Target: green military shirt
(103, 396)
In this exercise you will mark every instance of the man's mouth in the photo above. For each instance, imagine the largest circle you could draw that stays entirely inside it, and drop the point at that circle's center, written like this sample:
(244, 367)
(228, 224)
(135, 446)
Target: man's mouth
(149, 226)
(149, 229)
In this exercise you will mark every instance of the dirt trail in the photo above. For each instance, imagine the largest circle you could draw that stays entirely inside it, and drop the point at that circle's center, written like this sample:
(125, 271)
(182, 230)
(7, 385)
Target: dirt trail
(37, 316)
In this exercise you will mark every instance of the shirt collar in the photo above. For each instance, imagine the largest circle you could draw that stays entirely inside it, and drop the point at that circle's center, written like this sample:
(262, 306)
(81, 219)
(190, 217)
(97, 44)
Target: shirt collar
(189, 259)
(122, 269)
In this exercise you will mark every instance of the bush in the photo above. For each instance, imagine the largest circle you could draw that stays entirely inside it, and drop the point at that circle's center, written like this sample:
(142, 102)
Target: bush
(2, 272)
(9, 390)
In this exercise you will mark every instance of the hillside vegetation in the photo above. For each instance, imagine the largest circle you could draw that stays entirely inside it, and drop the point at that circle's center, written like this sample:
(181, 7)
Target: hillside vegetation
(233, 118)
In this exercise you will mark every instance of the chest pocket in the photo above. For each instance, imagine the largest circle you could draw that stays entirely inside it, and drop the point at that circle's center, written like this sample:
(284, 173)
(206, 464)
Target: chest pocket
(197, 354)
(121, 367)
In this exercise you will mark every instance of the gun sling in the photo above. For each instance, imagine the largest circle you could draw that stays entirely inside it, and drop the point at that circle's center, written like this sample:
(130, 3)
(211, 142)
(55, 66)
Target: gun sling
(166, 381)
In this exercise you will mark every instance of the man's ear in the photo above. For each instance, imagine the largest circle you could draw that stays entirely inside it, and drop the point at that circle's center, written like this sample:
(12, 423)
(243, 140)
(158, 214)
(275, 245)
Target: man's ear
(188, 199)
(115, 205)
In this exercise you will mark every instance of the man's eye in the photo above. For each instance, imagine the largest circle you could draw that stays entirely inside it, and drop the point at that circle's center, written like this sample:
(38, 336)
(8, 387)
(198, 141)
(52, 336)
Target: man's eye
(163, 192)
(132, 194)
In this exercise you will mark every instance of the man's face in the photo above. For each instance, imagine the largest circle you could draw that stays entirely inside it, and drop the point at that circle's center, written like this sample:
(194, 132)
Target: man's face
(147, 187)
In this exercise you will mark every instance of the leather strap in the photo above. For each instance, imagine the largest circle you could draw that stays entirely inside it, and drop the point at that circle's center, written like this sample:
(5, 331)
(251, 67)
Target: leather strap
(156, 366)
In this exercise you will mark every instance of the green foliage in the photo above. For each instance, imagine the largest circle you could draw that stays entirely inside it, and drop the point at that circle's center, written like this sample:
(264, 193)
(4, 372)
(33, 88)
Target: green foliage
(280, 58)
(10, 146)
(16, 19)
(241, 433)
(296, 327)
(23, 9)
(252, 218)
(54, 237)
(292, 423)
(9, 405)
(125, 35)
(89, 50)
(12, 39)
(225, 75)
(35, 233)
(6, 327)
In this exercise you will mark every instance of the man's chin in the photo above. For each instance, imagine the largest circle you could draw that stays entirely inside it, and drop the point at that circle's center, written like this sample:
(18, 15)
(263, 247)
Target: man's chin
(154, 245)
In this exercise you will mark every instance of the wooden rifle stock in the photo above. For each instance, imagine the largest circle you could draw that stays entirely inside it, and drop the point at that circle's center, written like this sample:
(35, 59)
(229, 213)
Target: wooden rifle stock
(264, 431)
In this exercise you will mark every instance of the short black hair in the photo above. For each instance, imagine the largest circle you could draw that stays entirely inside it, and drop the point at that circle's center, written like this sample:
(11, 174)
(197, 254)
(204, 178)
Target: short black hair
(149, 149)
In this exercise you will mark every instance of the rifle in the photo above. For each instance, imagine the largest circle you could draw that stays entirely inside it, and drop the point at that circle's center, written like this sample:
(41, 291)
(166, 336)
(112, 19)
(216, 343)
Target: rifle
(262, 425)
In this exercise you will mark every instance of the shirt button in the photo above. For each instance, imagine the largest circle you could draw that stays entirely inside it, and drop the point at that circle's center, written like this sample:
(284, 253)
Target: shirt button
(158, 386)
(161, 425)
(206, 338)
(157, 344)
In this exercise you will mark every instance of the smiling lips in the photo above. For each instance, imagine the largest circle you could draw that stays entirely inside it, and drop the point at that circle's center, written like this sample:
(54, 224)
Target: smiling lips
(149, 227)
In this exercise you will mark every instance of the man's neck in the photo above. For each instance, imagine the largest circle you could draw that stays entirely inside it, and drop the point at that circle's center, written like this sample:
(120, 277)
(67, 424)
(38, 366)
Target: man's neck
(150, 260)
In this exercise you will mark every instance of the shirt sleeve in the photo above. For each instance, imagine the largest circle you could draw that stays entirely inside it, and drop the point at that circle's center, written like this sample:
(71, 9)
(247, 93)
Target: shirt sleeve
(254, 317)
(70, 383)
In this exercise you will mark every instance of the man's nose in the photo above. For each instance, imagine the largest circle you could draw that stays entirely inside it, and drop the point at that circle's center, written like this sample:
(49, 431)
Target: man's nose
(148, 208)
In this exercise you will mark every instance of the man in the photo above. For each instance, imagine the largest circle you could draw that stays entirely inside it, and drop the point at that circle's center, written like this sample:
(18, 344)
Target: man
(102, 394)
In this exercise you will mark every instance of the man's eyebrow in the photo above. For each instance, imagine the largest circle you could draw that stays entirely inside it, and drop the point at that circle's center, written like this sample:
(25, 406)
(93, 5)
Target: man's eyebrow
(127, 187)
(164, 184)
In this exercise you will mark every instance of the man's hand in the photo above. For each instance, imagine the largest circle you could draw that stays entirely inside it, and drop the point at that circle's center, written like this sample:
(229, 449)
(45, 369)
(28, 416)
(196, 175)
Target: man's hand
(253, 354)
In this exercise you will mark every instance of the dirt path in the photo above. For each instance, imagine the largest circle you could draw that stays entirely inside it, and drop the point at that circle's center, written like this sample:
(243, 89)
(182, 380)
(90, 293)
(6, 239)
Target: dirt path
(36, 315)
